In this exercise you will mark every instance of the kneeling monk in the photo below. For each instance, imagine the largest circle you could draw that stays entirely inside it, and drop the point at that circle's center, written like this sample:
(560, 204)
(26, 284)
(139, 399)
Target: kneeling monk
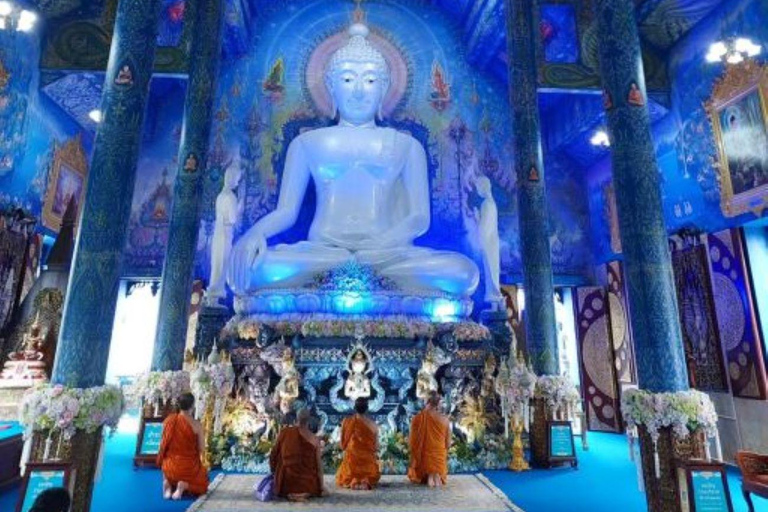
(360, 441)
(180, 452)
(296, 463)
(430, 440)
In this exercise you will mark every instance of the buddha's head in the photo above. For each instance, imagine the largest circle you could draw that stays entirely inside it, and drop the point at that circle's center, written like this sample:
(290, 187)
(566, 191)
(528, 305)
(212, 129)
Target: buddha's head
(232, 177)
(357, 78)
(484, 189)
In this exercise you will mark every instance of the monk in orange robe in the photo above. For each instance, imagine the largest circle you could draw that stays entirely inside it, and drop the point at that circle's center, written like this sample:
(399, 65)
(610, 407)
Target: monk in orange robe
(430, 440)
(180, 455)
(295, 461)
(359, 468)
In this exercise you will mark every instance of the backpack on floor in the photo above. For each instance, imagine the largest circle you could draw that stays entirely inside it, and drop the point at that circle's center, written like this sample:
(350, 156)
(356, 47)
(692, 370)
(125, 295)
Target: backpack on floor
(265, 489)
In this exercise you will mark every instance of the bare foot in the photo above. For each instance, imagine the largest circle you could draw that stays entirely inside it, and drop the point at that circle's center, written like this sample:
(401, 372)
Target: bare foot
(166, 490)
(298, 497)
(180, 488)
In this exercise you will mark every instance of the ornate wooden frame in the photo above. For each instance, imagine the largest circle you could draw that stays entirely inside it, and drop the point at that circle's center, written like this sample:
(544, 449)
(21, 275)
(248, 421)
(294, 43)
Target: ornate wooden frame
(738, 81)
(72, 154)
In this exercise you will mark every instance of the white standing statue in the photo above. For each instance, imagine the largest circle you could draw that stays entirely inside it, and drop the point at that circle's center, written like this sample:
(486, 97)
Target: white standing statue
(227, 215)
(489, 242)
(372, 192)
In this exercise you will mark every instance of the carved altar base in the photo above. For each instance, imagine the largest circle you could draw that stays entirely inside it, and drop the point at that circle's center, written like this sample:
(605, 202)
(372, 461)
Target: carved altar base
(323, 362)
(662, 492)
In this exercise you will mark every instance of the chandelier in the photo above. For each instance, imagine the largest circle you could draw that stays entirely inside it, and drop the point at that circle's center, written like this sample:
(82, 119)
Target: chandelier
(733, 50)
(13, 17)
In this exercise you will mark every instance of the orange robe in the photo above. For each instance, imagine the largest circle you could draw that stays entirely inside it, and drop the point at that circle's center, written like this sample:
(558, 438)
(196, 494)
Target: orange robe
(294, 464)
(360, 464)
(430, 434)
(179, 455)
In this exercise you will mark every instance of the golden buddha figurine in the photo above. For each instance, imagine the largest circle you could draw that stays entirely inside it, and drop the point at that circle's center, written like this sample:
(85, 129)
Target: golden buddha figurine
(26, 367)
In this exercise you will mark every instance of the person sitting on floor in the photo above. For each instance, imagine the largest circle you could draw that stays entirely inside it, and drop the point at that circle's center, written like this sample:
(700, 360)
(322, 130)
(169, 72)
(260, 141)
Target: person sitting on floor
(180, 454)
(55, 499)
(429, 441)
(359, 468)
(295, 461)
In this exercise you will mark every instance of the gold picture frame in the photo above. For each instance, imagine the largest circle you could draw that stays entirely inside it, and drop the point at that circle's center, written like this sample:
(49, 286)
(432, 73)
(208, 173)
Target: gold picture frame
(738, 111)
(68, 175)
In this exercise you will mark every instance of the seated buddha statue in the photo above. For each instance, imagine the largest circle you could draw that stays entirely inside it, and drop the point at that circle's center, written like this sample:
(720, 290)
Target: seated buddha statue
(27, 366)
(372, 191)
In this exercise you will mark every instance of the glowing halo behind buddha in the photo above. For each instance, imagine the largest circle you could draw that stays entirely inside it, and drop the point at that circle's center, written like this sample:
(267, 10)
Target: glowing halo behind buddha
(373, 202)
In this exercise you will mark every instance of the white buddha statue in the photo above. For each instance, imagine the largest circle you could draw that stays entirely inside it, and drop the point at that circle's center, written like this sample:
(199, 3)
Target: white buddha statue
(227, 215)
(372, 192)
(488, 216)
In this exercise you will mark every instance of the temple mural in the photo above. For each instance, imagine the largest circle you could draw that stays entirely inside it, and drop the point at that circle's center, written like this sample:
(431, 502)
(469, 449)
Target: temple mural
(686, 145)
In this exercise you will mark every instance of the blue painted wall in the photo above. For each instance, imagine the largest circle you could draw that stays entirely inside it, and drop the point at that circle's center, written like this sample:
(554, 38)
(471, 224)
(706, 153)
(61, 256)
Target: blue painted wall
(685, 146)
(46, 127)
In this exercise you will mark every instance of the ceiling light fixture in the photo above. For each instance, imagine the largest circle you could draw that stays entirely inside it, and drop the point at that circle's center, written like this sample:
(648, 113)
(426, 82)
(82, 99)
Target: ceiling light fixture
(13, 17)
(733, 50)
(600, 139)
(95, 115)
(27, 20)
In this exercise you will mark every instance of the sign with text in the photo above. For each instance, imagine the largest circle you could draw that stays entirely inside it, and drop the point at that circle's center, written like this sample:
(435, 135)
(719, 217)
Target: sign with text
(704, 487)
(40, 477)
(148, 442)
(560, 446)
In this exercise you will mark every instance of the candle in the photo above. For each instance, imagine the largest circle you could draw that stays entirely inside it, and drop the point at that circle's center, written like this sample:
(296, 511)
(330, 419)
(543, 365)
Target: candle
(639, 468)
(47, 451)
(718, 447)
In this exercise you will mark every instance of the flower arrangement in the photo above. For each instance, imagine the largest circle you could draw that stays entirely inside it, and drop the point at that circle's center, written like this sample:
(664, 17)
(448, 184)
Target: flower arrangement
(332, 454)
(685, 412)
(469, 457)
(212, 380)
(391, 327)
(557, 391)
(50, 408)
(245, 456)
(394, 453)
(521, 388)
(154, 387)
(470, 331)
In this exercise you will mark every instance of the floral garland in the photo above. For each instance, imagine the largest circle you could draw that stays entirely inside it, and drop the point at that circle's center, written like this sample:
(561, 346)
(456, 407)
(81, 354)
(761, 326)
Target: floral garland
(557, 391)
(212, 380)
(49, 408)
(153, 387)
(521, 388)
(396, 327)
(685, 411)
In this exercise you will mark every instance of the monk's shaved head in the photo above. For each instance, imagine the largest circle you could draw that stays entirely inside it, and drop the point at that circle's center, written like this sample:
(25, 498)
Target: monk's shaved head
(434, 399)
(302, 418)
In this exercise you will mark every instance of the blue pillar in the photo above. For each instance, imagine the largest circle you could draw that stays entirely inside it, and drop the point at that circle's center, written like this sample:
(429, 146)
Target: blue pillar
(522, 38)
(176, 287)
(651, 289)
(86, 330)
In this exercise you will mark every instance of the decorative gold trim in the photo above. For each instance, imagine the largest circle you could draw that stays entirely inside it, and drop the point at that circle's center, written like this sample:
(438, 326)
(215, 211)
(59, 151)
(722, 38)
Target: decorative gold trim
(737, 82)
(72, 154)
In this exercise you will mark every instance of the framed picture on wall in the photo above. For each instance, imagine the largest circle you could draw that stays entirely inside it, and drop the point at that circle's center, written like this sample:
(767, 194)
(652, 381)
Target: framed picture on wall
(738, 111)
(66, 182)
